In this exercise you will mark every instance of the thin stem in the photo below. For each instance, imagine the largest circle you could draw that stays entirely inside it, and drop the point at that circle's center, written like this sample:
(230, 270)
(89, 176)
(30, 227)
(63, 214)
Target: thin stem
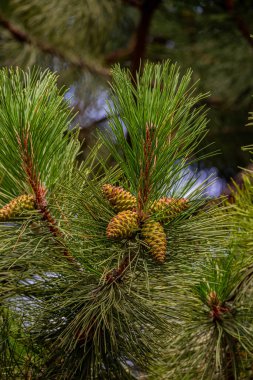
(229, 345)
(39, 190)
(117, 274)
(149, 161)
(113, 276)
(122, 53)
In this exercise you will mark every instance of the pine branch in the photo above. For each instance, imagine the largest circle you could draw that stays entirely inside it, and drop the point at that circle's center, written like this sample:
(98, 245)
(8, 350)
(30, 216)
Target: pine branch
(24, 37)
(217, 308)
(24, 143)
(126, 52)
(146, 171)
(92, 324)
(117, 274)
(140, 105)
(238, 20)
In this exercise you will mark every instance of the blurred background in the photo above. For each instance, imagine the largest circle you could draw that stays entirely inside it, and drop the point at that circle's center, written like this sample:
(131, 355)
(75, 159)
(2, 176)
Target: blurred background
(83, 39)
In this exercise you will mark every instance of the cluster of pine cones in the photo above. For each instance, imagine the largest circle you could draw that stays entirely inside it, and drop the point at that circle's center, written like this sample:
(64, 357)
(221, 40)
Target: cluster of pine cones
(127, 222)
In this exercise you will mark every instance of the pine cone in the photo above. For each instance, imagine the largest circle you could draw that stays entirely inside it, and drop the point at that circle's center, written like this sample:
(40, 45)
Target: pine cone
(120, 199)
(16, 207)
(169, 207)
(122, 225)
(154, 235)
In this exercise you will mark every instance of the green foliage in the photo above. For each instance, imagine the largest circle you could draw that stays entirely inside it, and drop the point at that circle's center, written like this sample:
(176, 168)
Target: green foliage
(214, 339)
(96, 308)
(33, 109)
(69, 25)
(165, 103)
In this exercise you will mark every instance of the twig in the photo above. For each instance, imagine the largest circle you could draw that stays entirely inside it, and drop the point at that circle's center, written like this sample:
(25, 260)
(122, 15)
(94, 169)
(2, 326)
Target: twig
(149, 161)
(116, 55)
(39, 190)
(241, 25)
(113, 276)
(117, 274)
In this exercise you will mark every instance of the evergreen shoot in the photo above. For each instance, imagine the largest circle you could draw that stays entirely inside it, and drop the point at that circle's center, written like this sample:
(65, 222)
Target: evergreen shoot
(117, 272)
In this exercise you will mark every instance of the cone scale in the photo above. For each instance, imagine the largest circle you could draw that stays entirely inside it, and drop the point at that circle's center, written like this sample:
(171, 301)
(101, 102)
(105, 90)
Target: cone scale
(154, 236)
(16, 207)
(120, 199)
(169, 207)
(123, 225)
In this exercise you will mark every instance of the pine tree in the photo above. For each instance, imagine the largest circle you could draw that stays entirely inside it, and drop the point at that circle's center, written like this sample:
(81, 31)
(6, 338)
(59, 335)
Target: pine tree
(82, 39)
(109, 272)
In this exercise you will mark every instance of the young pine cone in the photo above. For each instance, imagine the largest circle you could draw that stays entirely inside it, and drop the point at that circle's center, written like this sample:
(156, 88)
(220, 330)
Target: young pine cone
(16, 206)
(122, 225)
(154, 235)
(120, 199)
(169, 207)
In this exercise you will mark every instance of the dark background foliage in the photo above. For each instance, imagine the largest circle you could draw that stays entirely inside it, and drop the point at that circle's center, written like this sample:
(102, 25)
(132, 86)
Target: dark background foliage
(82, 39)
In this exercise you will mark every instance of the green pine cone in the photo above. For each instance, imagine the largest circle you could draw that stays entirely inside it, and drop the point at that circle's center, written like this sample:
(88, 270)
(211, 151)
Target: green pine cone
(123, 225)
(16, 206)
(120, 199)
(169, 207)
(154, 235)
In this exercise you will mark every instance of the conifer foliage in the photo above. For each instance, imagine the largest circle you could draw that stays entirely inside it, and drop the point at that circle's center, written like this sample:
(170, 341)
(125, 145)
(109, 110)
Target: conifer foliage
(109, 273)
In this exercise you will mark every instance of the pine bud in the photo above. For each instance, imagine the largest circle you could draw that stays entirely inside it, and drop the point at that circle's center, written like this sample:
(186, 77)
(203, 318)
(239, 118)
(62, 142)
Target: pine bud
(122, 225)
(213, 299)
(169, 207)
(16, 207)
(120, 199)
(154, 235)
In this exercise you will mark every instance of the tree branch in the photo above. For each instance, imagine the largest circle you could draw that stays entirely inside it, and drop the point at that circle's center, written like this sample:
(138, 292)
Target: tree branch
(117, 274)
(116, 55)
(23, 37)
(147, 10)
(241, 25)
(40, 192)
(146, 171)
